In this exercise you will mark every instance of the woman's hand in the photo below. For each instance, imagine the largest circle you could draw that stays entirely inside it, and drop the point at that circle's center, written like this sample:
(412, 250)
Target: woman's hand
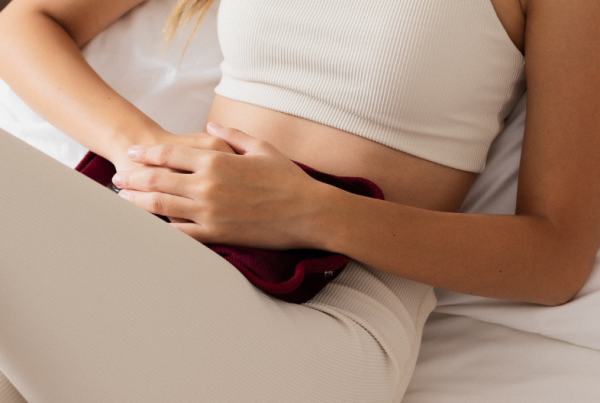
(256, 197)
(201, 141)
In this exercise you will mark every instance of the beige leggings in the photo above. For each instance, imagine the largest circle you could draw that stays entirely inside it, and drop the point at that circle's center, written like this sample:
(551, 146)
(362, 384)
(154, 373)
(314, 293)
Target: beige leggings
(102, 302)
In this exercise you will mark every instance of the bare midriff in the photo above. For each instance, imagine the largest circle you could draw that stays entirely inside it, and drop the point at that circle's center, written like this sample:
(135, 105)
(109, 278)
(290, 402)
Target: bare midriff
(403, 178)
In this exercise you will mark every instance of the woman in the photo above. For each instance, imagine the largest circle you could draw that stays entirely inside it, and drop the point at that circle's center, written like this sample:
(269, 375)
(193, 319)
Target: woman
(364, 347)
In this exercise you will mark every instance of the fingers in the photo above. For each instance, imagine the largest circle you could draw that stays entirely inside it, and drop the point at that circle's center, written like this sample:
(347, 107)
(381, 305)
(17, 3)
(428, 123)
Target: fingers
(161, 203)
(187, 158)
(151, 180)
(201, 141)
(240, 142)
(176, 157)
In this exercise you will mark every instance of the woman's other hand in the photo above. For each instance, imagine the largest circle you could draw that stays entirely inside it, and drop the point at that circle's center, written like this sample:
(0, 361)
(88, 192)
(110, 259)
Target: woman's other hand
(256, 197)
(200, 140)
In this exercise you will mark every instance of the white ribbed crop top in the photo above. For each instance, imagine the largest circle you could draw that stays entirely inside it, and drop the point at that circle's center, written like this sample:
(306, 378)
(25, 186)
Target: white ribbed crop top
(432, 78)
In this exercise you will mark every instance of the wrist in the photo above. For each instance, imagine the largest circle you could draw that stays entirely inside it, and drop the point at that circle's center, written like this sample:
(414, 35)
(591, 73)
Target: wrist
(122, 139)
(329, 225)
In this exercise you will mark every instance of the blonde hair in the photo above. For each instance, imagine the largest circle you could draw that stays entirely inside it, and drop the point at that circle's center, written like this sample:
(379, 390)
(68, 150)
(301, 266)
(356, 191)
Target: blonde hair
(183, 13)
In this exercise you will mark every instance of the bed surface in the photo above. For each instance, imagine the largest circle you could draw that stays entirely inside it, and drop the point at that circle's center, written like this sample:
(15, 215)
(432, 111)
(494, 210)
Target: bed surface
(474, 349)
(464, 360)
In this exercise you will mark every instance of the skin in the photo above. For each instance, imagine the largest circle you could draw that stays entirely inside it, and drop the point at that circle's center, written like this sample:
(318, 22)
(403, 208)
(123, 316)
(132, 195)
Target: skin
(241, 188)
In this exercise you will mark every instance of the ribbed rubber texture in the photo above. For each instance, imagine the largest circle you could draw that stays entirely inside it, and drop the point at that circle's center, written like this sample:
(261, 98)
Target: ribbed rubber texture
(433, 78)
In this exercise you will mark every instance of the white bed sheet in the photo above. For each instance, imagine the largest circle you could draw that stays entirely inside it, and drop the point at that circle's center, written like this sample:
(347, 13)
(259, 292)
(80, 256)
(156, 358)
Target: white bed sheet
(464, 360)
(474, 349)
(486, 350)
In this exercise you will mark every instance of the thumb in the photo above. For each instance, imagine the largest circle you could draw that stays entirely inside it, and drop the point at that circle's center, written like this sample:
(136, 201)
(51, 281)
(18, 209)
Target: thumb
(240, 142)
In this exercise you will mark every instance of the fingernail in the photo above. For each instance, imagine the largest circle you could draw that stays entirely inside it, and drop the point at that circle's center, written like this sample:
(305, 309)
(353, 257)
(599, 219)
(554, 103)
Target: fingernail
(214, 125)
(132, 153)
(124, 194)
(117, 180)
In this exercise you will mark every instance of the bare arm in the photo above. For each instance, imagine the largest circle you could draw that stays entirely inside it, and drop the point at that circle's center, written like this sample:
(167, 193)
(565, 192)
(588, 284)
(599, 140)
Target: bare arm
(543, 254)
(40, 59)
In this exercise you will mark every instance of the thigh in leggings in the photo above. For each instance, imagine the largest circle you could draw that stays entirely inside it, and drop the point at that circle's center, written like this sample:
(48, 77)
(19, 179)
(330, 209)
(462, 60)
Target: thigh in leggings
(102, 302)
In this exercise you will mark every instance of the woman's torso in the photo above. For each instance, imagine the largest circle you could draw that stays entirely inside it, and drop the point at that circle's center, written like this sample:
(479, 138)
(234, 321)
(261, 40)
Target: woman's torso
(403, 178)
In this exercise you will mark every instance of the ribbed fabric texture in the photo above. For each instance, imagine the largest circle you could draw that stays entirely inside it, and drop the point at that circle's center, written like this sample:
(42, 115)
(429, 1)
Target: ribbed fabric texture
(8, 393)
(433, 78)
(136, 311)
(392, 309)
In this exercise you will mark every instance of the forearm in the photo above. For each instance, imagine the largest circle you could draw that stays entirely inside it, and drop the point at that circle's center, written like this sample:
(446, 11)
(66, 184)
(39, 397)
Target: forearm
(43, 64)
(525, 258)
